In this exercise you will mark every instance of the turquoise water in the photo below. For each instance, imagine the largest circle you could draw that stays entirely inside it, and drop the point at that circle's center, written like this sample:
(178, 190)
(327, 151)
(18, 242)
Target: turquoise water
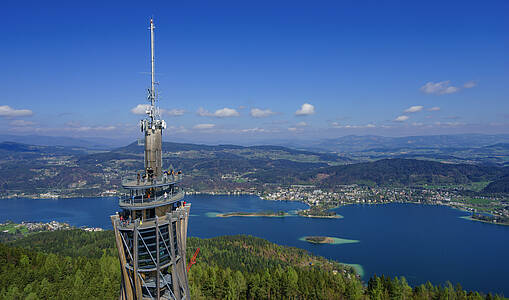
(416, 241)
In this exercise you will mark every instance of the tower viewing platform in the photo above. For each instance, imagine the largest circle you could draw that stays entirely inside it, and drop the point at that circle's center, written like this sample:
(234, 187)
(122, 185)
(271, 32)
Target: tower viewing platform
(144, 192)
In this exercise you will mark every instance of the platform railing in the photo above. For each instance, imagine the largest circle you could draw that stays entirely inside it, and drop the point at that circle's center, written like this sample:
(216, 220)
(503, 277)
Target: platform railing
(144, 181)
(142, 200)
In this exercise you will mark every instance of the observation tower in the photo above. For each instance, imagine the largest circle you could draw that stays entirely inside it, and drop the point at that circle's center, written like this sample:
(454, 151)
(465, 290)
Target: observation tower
(151, 229)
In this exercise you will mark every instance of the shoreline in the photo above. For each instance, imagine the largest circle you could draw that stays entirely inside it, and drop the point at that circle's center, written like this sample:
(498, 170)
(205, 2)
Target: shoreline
(483, 221)
(336, 216)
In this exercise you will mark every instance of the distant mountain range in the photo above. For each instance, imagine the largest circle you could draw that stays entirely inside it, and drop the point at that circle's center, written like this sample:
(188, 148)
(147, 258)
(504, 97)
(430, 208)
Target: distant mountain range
(88, 143)
(355, 143)
(68, 170)
(349, 143)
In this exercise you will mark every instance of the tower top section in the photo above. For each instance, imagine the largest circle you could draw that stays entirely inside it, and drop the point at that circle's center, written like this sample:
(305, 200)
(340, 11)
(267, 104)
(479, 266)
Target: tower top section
(153, 111)
(153, 125)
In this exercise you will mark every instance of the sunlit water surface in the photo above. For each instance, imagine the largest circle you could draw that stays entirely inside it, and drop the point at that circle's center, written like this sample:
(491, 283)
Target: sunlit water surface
(419, 242)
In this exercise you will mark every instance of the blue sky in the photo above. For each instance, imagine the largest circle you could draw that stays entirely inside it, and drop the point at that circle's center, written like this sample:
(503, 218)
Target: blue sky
(257, 71)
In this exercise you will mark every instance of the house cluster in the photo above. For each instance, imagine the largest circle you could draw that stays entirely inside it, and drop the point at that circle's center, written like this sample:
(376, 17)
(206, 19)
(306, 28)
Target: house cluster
(50, 226)
(349, 194)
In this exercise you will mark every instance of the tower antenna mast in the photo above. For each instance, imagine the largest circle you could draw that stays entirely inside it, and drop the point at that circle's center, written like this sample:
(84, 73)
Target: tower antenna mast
(152, 63)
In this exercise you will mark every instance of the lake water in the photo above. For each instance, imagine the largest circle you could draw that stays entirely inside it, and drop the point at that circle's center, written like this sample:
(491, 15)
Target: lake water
(419, 242)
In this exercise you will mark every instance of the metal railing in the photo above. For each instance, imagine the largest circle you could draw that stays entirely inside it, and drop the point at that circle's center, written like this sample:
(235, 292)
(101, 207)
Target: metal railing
(127, 200)
(144, 181)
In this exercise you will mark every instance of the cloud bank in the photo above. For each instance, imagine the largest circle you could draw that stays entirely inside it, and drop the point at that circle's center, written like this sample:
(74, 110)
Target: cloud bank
(401, 118)
(21, 123)
(439, 88)
(445, 87)
(140, 109)
(220, 113)
(7, 111)
(413, 109)
(305, 110)
(261, 113)
(204, 126)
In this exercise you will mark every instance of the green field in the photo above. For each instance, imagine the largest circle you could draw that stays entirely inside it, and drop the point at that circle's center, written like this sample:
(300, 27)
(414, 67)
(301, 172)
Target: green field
(473, 186)
(14, 228)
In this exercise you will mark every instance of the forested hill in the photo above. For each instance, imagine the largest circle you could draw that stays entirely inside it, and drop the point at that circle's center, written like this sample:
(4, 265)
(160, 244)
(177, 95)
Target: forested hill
(500, 185)
(391, 172)
(77, 264)
(404, 172)
(242, 151)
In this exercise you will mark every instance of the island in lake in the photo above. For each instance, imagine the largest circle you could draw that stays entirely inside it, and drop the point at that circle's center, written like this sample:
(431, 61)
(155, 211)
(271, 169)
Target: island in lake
(253, 214)
(319, 239)
(318, 212)
(327, 240)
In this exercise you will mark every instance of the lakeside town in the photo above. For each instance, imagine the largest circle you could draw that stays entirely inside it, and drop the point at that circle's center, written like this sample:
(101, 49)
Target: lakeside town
(24, 227)
(483, 208)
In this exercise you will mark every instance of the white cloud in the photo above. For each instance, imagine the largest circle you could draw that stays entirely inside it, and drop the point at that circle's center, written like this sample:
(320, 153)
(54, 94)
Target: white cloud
(252, 130)
(449, 124)
(173, 112)
(439, 88)
(204, 126)
(21, 123)
(261, 113)
(413, 109)
(140, 109)
(338, 125)
(302, 124)
(470, 84)
(305, 110)
(92, 128)
(292, 129)
(401, 118)
(445, 87)
(226, 112)
(220, 113)
(7, 111)
(434, 108)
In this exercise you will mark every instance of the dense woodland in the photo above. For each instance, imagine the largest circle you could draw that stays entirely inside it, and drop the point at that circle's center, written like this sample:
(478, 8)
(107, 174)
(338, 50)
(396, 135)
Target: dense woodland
(83, 265)
(498, 186)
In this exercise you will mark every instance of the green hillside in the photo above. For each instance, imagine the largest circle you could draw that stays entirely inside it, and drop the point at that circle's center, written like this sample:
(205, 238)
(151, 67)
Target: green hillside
(404, 172)
(77, 264)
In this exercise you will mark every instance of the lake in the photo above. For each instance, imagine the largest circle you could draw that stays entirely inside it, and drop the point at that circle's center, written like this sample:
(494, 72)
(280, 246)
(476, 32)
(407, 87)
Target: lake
(420, 242)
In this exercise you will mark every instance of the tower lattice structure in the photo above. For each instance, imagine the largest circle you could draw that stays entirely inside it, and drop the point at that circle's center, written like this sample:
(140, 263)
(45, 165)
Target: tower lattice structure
(151, 229)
